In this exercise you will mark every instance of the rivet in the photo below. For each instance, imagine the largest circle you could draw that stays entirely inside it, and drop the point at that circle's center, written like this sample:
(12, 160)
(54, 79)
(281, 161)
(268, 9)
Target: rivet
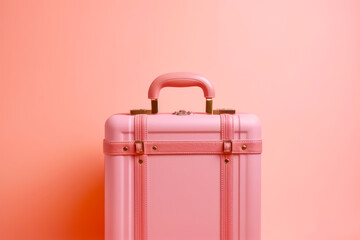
(125, 148)
(227, 160)
(243, 147)
(141, 161)
(154, 147)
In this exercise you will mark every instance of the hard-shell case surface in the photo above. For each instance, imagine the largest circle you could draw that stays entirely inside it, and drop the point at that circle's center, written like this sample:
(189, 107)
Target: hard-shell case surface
(182, 176)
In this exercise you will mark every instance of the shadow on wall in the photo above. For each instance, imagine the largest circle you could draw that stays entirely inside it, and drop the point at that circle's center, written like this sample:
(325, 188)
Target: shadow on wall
(81, 195)
(88, 217)
(63, 202)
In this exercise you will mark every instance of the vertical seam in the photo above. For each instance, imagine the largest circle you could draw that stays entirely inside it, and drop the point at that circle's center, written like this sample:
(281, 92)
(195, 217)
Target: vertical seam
(145, 187)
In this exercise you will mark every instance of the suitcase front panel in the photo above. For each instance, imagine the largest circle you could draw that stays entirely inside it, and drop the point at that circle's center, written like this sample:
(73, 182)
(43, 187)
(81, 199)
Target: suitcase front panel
(183, 191)
(183, 200)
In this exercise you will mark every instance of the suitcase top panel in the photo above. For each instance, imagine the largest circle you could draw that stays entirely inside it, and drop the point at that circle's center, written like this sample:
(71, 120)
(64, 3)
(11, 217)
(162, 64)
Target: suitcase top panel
(171, 125)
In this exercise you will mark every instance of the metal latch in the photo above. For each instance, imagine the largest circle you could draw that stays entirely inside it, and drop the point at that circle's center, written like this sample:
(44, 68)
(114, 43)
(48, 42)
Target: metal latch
(182, 112)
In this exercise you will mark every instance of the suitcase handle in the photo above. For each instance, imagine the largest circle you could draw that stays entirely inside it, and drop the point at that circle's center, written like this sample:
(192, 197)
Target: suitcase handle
(180, 79)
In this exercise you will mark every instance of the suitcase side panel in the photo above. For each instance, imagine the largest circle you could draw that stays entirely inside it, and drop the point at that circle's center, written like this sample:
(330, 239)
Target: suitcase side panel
(119, 182)
(248, 178)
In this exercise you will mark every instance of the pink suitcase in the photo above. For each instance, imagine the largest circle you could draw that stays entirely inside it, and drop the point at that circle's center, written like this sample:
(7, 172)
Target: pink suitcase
(182, 176)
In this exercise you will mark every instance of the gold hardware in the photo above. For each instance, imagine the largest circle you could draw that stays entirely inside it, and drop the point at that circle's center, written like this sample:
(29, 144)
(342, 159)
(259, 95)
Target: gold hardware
(142, 147)
(125, 148)
(227, 151)
(141, 161)
(140, 111)
(227, 160)
(154, 147)
(224, 111)
(154, 106)
(244, 147)
(209, 106)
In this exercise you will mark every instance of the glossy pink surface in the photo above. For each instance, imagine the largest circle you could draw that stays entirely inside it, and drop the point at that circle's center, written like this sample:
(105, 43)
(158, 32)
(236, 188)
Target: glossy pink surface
(172, 214)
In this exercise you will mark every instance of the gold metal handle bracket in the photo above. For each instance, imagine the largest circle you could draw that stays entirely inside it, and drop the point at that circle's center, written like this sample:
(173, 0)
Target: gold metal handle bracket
(224, 111)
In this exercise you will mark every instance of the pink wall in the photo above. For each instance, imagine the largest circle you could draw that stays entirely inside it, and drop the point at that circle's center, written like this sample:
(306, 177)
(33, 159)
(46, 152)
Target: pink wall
(65, 66)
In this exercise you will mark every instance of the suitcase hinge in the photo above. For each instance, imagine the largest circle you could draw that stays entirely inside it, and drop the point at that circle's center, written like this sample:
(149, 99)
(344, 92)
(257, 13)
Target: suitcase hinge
(224, 111)
(140, 111)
